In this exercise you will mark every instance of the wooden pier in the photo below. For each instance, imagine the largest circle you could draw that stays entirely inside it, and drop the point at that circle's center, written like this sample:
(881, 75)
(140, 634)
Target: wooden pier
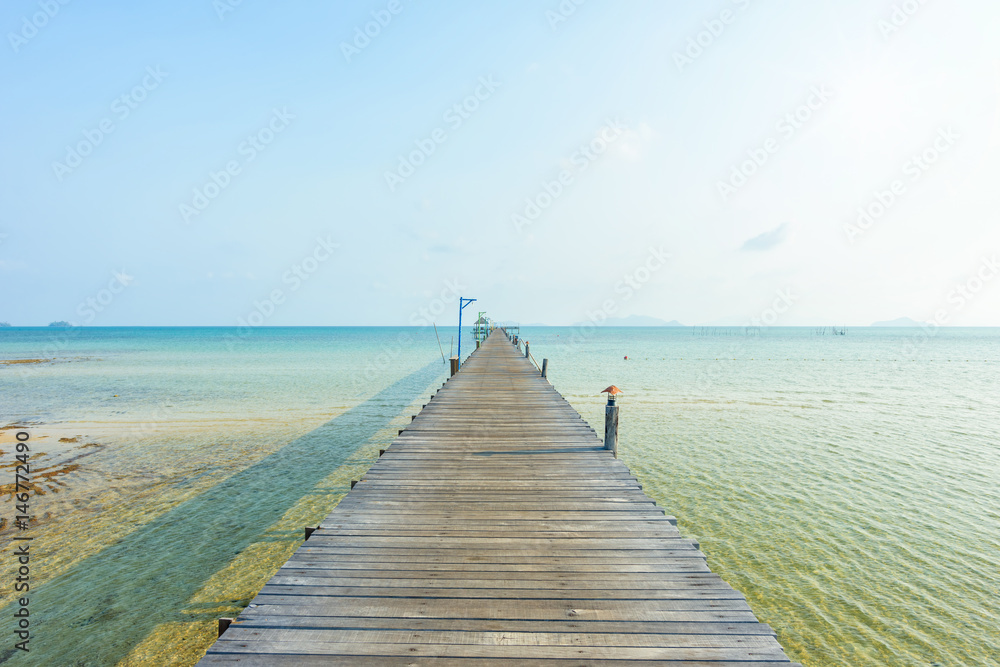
(497, 530)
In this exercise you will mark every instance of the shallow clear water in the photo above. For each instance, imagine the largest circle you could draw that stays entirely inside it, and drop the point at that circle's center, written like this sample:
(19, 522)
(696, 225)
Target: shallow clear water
(845, 484)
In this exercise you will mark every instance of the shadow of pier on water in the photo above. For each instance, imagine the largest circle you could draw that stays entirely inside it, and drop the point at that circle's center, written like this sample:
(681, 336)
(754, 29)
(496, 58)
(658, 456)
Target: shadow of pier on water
(99, 609)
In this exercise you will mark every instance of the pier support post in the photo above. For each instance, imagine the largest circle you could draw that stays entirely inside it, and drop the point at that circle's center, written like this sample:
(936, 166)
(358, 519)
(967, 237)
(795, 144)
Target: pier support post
(224, 624)
(611, 425)
(526, 353)
(545, 368)
(477, 344)
(454, 365)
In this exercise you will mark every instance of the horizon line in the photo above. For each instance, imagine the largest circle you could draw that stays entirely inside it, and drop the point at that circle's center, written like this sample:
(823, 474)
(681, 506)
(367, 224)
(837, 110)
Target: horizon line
(916, 325)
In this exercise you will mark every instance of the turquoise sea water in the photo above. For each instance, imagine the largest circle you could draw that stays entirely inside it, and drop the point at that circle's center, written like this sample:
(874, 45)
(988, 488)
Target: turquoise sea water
(846, 484)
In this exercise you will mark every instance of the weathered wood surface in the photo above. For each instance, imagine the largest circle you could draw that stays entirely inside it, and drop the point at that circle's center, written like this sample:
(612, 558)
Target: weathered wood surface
(497, 530)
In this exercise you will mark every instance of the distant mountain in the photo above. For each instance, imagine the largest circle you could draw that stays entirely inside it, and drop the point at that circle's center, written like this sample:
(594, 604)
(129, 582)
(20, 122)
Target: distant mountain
(60, 323)
(4, 324)
(899, 322)
(636, 321)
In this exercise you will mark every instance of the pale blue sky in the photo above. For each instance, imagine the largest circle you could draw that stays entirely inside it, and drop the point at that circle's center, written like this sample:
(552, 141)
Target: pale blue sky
(787, 239)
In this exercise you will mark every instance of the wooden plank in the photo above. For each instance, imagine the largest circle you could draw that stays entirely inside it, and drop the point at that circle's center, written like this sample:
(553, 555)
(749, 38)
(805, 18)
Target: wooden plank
(495, 579)
(402, 555)
(546, 569)
(330, 622)
(327, 660)
(510, 586)
(513, 652)
(590, 609)
(504, 637)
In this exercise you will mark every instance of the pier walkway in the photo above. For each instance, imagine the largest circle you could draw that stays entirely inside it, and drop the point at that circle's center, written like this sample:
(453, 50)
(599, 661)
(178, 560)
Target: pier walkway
(497, 530)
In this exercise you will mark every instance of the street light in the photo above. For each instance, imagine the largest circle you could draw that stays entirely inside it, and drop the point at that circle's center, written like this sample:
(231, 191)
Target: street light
(462, 303)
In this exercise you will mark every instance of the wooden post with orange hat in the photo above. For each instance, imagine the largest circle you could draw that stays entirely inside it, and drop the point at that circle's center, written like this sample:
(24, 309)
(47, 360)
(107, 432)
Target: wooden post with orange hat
(611, 420)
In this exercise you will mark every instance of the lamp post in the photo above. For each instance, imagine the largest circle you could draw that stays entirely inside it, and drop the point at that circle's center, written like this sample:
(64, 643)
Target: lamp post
(462, 303)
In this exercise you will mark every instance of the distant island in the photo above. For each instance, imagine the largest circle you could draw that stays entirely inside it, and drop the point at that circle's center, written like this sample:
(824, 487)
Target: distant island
(4, 324)
(60, 323)
(899, 322)
(636, 321)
